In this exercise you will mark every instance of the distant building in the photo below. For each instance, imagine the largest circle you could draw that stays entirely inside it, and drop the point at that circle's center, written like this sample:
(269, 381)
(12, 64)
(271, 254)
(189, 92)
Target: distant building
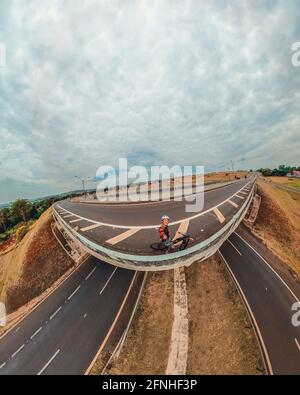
(294, 173)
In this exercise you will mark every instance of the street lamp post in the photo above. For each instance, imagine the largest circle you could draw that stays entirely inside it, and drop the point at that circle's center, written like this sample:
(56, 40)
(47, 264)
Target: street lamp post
(82, 181)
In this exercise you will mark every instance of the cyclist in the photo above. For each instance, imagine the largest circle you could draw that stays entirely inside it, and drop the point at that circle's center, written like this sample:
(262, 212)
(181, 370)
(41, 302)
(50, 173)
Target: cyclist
(164, 233)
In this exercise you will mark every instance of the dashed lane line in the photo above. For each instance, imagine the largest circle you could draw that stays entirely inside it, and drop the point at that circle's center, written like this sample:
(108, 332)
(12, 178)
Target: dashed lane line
(36, 332)
(74, 292)
(155, 226)
(89, 275)
(274, 271)
(90, 227)
(232, 203)
(258, 332)
(54, 314)
(122, 236)
(110, 277)
(48, 363)
(18, 350)
(219, 215)
(183, 227)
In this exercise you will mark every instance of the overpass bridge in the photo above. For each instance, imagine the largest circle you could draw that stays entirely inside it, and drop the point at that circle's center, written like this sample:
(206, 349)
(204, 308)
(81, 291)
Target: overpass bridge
(122, 234)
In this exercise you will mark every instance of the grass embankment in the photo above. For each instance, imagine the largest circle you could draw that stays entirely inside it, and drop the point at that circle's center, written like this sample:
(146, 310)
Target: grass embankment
(30, 266)
(221, 340)
(146, 348)
(289, 182)
(278, 224)
(224, 176)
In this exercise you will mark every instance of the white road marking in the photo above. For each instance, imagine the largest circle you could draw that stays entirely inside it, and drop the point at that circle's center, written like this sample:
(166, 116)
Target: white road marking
(232, 203)
(2, 366)
(219, 215)
(68, 215)
(17, 329)
(155, 226)
(18, 350)
(47, 296)
(54, 314)
(73, 293)
(183, 227)
(90, 227)
(266, 355)
(89, 275)
(112, 325)
(234, 247)
(244, 193)
(48, 363)
(36, 332)
(297, 343)
(84, 315)
(122, 236)
(105, 285)
(263, 259)
(240, 197)
(75, 220)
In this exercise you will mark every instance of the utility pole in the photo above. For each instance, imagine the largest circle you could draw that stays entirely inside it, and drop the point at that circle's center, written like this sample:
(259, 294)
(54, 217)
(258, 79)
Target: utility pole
(82, 182)
(232, 168)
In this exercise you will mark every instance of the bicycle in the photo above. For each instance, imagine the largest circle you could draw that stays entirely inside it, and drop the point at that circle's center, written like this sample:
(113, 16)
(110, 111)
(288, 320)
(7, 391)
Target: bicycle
(181, 241)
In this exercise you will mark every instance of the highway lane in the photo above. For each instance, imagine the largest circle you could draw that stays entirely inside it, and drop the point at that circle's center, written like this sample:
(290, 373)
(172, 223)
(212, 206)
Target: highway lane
(111, 225)
(271, 303)
(148, 213)
(63, 334)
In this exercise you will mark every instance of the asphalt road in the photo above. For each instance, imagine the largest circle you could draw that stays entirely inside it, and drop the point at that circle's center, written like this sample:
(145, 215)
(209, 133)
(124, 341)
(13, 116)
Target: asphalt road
(65, 331)
(132, 228)
(270, 300)
(63, 334)
(148, 213)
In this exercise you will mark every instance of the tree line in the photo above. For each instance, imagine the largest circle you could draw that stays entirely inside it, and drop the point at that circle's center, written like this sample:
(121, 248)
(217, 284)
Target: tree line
(281, 170)
(23, 212)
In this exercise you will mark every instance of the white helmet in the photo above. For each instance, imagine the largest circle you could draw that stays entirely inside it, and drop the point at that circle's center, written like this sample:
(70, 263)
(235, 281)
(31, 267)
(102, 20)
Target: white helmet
(165, 217)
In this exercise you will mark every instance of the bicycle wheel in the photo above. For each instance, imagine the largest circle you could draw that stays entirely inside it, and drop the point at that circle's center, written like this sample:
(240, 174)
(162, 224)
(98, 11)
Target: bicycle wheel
(158, 246)
(184, 244)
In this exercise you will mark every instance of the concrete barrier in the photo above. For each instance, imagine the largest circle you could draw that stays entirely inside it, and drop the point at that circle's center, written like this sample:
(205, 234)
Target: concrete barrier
(186, 257)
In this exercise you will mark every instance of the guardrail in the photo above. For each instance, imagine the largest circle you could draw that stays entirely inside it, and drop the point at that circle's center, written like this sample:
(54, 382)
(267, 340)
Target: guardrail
(200, 251)
(159, 194)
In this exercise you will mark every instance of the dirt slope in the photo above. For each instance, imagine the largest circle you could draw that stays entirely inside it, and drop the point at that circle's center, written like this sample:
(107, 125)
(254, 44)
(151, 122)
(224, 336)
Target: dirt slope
(32, 266)
(278, 224)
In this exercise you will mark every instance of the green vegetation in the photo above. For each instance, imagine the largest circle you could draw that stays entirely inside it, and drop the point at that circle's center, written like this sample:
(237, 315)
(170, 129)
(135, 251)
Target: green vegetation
(282, 170)
(21, 214)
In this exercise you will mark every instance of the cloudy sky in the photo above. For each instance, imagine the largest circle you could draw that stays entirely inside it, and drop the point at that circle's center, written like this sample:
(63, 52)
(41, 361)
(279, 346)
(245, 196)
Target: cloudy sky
(158, 82)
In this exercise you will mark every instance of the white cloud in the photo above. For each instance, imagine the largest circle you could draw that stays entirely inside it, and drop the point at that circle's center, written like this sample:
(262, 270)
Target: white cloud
(160, 82)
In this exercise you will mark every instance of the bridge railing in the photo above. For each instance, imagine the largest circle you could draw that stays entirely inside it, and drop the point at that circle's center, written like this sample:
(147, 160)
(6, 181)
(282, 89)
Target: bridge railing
(197, 252)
